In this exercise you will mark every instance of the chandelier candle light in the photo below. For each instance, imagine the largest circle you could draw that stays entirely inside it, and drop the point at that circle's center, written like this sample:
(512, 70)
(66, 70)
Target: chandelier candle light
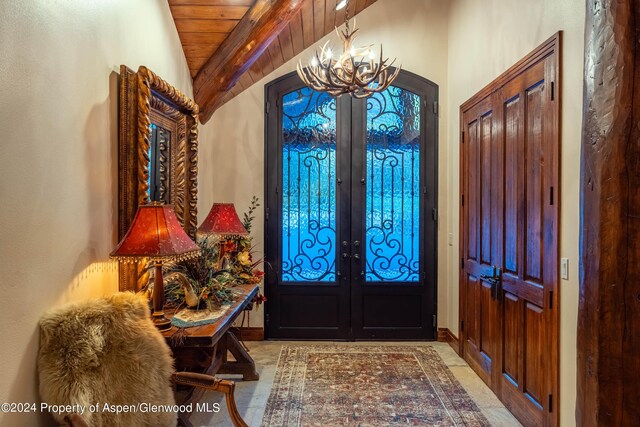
(354, 72)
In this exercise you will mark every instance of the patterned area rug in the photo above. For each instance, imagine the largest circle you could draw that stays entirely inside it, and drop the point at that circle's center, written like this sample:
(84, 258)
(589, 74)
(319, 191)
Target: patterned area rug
(354, 385)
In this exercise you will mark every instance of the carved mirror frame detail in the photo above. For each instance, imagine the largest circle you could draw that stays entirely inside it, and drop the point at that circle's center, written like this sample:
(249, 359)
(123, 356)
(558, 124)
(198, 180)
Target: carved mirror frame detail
(145, 98)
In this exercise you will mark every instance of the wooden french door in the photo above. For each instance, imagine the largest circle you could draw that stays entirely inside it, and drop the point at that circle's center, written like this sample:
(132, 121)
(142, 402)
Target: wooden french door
(351, 212)
(509, 235)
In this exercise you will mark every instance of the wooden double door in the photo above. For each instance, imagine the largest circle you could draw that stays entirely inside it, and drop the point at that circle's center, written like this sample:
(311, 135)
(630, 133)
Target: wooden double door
(509, 235)
(351, 212)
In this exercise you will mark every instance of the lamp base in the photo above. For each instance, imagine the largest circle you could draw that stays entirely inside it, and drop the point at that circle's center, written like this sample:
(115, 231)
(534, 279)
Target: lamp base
(161, 322)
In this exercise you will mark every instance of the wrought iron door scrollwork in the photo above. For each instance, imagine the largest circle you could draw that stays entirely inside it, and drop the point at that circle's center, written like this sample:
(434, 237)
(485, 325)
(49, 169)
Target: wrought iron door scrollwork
(308, 181)
(393, 187)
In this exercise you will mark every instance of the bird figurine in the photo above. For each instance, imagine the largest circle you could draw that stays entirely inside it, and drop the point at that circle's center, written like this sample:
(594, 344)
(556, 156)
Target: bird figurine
(191, 299)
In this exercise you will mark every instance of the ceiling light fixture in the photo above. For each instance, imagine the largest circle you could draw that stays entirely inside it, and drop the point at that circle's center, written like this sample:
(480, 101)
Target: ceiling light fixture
(355, 71)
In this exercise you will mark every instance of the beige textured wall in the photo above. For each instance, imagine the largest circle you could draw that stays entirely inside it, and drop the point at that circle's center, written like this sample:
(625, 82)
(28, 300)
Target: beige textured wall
(58, 121)
(485, 38)
(232, 142)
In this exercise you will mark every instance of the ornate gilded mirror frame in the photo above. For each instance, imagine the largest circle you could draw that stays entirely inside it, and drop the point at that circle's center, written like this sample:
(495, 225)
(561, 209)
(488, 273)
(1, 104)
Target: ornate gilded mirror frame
(146, 99)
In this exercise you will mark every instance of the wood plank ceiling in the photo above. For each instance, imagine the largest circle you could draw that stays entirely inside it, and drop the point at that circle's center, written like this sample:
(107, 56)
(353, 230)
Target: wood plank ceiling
(203, 25)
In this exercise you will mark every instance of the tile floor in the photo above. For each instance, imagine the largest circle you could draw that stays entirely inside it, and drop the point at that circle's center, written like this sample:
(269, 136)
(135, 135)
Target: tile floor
(251, 396)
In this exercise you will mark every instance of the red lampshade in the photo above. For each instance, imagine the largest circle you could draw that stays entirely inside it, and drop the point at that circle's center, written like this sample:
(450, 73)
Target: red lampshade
(156, 233)
(223, 222)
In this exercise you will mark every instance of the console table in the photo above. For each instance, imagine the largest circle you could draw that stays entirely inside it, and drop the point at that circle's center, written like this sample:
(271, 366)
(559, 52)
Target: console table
(204, 349)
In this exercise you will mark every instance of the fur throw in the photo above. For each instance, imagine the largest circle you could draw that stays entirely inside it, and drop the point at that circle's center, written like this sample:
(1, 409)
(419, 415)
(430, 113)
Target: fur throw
(106, 351)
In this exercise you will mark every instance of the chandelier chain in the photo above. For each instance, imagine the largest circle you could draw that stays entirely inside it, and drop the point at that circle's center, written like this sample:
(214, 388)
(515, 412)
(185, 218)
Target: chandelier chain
(346, 16)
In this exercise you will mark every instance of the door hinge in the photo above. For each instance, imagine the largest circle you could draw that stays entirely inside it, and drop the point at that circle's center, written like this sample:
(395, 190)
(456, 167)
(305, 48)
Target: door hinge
(462, 326)
(266, 319)
(462, 263)
(434, 214)
(268, 106)
(435, 320)
(553, 89)
(277, 190)
(551, 403)
(266, 214)
(462, 137)
(551, 196)
(462, 199)
(435, 107)
(550, 299)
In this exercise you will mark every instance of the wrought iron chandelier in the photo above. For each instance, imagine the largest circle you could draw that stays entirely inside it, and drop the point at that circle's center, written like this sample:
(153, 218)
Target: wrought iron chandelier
(355, 71)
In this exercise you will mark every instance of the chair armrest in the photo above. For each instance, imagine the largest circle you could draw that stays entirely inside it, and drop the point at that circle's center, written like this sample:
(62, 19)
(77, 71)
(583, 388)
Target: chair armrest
(75, 420)
(203, 381)
(212, 383)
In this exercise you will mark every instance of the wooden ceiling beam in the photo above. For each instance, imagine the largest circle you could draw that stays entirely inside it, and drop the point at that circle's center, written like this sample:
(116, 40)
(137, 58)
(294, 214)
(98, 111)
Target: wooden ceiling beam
(249, 39)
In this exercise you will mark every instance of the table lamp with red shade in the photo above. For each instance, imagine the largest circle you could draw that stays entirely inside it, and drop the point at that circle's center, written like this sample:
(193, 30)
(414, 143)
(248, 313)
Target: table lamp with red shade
(156, 234)
(222, 225)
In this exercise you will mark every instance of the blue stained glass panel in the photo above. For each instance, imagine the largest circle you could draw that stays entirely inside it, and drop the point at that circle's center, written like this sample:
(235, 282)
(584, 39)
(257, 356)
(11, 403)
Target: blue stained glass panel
(393, 187)
(308, 187)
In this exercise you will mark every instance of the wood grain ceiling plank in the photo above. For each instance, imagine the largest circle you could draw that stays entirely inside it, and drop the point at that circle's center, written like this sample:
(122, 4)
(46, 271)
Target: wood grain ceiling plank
(206, 25)
(247, 3)
(196, 63)
(318, 19)
(202, 38)
(256, 71)
(246, 80)
(307, 24)
(208, 12)
(239, 87)
(266, 66)
(234, 91)
(301, 34)
(275, 51)
(353, 7)
(340, 14)
(227, 97)
(255, 32)
(262, 66)
(329, 15)
(199, 51)
(286, 44)
(297, 41)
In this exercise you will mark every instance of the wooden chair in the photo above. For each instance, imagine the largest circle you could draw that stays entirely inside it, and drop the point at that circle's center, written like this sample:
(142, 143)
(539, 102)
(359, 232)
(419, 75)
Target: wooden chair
(108, 351)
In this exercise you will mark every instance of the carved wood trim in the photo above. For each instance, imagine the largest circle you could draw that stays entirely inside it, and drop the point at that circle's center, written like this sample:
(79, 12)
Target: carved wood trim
(142, 95)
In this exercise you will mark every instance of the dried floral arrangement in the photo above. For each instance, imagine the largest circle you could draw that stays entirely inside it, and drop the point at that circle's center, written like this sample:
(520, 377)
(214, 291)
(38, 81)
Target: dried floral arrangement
(207, 282)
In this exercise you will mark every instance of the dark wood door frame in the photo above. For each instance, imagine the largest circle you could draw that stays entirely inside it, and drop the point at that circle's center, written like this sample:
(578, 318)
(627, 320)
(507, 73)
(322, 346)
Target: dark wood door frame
(608, 384)
(551, 258)
(416, 302)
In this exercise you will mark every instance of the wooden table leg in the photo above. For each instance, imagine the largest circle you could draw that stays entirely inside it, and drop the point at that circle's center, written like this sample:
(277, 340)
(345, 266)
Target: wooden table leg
(244, 364)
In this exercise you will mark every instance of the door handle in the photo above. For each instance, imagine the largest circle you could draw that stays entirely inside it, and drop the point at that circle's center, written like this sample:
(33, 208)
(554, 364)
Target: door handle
(356, 257)
(495, 280)
(345, 255)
